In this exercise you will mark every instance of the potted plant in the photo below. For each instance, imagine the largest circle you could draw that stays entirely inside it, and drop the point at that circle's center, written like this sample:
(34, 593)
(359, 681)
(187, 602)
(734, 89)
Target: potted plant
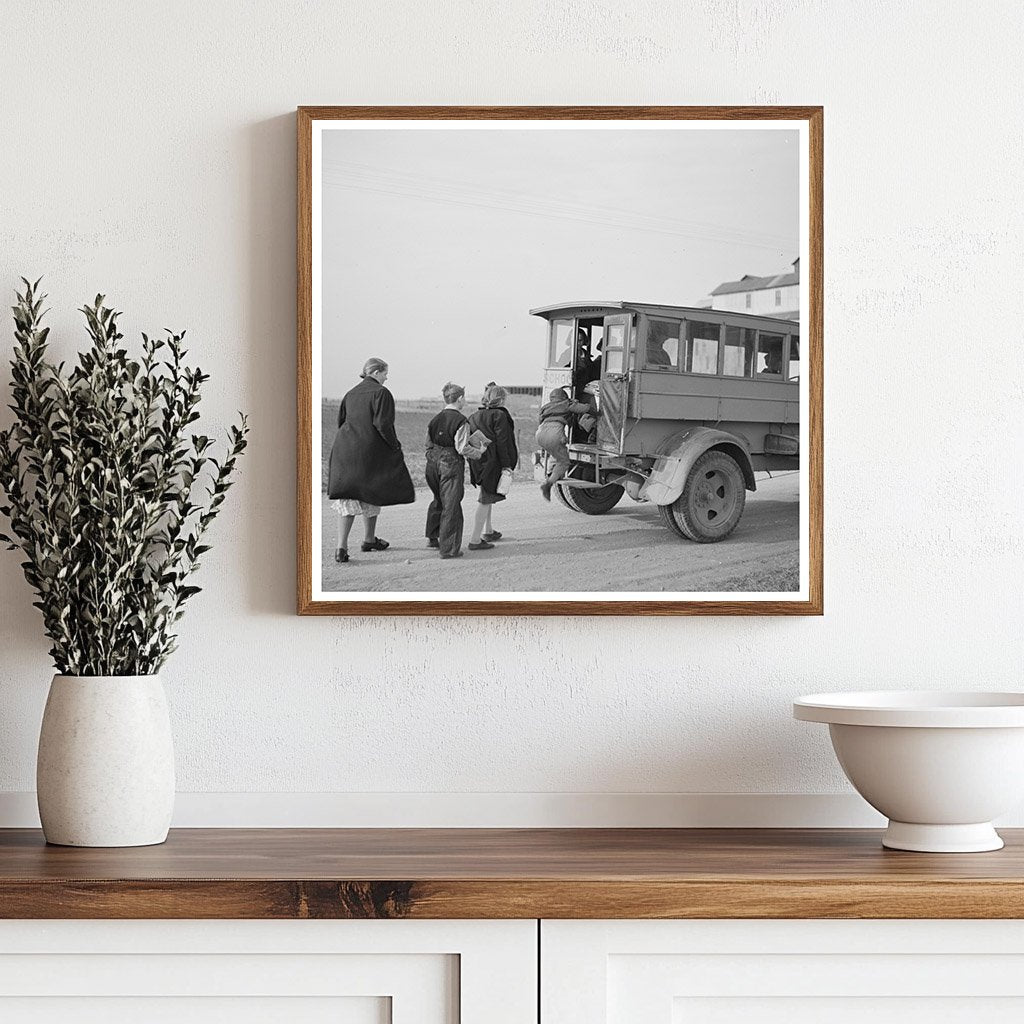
(109, 496)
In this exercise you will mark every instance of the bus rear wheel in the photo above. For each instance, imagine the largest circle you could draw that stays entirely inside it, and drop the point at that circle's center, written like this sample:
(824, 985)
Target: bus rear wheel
(712, 501)
(591, 501)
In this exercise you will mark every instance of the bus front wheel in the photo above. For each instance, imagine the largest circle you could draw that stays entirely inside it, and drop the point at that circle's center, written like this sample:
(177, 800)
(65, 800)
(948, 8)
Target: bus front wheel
(712, 501)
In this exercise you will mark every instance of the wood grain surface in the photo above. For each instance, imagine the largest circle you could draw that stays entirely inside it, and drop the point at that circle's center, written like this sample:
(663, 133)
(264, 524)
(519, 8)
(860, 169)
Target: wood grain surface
(508, 873)
(307, 399)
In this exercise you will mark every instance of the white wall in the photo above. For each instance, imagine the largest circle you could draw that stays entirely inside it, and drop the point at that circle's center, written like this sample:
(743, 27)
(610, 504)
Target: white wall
(148, 152)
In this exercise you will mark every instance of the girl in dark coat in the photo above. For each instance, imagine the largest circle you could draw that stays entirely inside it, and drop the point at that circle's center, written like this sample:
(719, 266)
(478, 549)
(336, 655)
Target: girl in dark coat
(367, 468)
(494, 420)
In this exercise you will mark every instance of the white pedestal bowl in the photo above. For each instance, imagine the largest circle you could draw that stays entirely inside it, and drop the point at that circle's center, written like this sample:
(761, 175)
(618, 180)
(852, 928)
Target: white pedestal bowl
(940, 766)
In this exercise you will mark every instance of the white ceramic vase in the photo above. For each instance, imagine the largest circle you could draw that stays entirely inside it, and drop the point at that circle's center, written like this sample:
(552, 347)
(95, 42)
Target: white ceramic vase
(105, 771)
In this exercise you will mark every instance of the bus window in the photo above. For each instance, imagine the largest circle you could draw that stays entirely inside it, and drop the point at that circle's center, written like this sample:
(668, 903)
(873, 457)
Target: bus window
(662, 345)
(739, 352)
(560, 343)
(701, 347)
(769, 354)
(793, 371)
(614, 348)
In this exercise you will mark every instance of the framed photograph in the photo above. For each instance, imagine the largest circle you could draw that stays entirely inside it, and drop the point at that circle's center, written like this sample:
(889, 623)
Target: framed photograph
(560, 360)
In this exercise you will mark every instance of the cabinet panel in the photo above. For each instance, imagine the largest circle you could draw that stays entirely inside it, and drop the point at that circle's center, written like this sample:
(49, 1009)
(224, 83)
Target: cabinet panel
(725, 972)
(848, 1010)
(187, 1010)
(303, 972)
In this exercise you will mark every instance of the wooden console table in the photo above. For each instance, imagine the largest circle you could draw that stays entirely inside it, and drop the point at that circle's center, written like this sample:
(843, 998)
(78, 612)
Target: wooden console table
(495, 926)
(507, 873)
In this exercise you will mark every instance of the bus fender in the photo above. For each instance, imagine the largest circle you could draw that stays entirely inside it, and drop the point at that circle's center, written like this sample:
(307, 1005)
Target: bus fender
(677, 454)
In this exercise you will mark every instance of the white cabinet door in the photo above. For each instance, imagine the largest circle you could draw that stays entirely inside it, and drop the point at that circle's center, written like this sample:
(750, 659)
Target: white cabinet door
(258, 972)
(782, 972)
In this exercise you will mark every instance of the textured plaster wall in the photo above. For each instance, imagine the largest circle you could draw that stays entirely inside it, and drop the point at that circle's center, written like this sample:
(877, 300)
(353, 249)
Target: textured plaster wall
(148, 152)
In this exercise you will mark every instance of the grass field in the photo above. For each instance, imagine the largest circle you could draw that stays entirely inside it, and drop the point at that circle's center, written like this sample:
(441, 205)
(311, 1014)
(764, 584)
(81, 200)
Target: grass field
(411, 427)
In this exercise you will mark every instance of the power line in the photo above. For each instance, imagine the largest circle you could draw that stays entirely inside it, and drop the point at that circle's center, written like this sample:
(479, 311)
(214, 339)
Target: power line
(382, 181)
(397, 183)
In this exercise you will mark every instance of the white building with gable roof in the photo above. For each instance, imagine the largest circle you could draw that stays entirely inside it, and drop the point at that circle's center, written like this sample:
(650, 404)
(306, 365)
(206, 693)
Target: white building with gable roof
(778, 295)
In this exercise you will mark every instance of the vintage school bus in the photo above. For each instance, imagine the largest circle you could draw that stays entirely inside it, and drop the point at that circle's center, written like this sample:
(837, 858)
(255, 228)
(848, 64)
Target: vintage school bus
(690, 404)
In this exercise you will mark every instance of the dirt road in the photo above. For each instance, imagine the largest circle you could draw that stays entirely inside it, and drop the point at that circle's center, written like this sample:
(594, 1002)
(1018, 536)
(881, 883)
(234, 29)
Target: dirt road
(547, 547)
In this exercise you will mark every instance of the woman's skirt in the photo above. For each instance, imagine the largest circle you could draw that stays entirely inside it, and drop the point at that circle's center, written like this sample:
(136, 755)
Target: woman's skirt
(488, 498)
(354, 507)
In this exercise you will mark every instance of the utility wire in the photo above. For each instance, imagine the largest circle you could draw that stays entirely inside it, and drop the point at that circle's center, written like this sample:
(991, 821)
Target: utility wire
(380, 181)
(419, 183)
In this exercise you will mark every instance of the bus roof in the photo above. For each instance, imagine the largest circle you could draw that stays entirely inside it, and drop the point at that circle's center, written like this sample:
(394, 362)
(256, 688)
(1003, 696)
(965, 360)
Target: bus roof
(654, 309)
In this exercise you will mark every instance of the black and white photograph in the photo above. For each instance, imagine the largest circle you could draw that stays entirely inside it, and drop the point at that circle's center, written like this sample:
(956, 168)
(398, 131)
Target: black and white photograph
(559, 360)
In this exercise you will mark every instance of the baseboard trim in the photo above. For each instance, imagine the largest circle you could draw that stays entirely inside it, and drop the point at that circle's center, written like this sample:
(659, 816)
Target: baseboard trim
(495, 810)
(504, 810)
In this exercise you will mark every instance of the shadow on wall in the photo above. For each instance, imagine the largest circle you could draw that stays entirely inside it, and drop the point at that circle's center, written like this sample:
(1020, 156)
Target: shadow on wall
(269, 175)
(266, 302)
(21, 638)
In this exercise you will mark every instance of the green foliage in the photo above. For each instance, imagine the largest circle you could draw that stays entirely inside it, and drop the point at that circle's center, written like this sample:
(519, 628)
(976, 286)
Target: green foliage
(109, 495)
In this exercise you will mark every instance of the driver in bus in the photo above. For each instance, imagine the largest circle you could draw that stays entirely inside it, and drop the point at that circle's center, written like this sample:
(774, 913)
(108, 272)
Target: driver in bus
(583, 360)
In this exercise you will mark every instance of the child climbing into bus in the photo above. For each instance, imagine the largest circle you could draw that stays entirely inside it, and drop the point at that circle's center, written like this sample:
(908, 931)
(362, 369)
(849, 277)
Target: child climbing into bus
(554, 420)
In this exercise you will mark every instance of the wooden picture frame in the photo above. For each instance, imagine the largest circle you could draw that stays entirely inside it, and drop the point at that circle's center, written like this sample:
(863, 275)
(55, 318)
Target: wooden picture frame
(807, 599)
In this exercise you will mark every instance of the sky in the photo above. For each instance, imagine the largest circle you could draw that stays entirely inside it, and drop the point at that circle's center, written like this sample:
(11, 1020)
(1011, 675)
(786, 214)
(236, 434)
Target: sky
(438, 242)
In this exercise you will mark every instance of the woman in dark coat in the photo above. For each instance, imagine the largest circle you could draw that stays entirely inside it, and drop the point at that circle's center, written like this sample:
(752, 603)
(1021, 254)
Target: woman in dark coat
(494, 420)
(367, 468)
